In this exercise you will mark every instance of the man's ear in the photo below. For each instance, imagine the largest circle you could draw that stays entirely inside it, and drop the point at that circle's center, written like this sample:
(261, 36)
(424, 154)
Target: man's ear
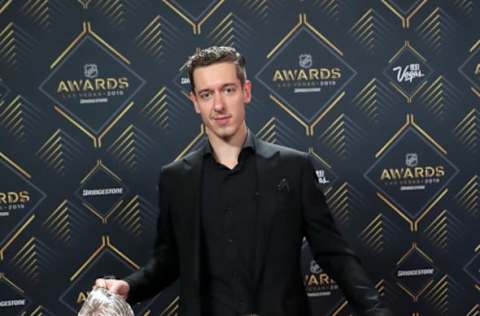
(193, 98)
(247, 91)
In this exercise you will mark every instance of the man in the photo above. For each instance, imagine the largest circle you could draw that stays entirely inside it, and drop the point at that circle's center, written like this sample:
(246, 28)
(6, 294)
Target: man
(233, 215)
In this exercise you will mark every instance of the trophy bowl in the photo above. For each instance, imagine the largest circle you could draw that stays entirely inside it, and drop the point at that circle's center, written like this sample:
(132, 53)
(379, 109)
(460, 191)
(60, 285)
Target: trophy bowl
(102, 302)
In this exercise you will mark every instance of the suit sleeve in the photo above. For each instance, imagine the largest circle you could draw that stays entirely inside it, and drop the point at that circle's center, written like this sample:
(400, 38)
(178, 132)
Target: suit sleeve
(162, 269)
(332, 252)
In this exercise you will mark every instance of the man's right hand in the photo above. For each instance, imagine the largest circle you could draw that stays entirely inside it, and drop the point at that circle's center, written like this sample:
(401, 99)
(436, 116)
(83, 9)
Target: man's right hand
(119, 287)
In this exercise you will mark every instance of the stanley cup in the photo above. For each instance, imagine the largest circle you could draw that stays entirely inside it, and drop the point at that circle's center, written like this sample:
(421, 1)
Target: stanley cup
(101, 302)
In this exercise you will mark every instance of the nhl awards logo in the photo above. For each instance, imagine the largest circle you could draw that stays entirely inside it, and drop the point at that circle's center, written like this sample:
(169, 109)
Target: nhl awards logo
(91, 82)
(317, 282)
(306, 79)
(92, 89)
(11, 201)
(413, 176)
(19, 197)
(411, 179)
(303, 81)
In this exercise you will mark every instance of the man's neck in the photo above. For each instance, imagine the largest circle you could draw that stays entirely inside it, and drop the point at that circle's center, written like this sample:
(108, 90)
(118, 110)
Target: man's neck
(226, 151)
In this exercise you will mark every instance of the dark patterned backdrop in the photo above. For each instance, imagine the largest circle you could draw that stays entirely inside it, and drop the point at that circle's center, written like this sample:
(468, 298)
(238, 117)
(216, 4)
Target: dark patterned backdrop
(385, 94)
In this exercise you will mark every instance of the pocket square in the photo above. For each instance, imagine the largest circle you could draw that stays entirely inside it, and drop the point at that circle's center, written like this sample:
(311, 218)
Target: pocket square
(283, 186)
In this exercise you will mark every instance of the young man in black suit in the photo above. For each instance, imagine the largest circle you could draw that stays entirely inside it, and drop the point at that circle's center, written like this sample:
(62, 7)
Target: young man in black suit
(233, 215)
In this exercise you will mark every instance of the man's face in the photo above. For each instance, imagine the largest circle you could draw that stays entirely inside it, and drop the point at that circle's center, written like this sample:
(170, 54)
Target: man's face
(220, 99)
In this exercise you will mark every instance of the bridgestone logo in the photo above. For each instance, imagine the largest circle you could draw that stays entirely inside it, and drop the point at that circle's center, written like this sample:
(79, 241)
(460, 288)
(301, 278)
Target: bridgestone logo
(107, 191)
(401, 273)
(13, 303)
(89, 101)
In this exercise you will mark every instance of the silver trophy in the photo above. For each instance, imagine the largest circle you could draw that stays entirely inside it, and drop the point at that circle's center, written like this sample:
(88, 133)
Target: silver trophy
(102, 302)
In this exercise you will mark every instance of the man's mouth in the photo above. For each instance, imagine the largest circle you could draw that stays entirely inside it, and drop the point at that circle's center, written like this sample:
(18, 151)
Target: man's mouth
(222, 120)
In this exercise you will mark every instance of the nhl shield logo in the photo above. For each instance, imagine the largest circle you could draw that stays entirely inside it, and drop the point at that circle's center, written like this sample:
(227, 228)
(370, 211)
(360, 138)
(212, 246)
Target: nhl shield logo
(305, 61)
(411, 159)
(90, 71)
(314, 267)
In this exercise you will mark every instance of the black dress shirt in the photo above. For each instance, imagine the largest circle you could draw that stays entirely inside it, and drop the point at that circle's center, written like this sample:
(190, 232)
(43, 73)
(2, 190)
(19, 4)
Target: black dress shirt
(229, 213)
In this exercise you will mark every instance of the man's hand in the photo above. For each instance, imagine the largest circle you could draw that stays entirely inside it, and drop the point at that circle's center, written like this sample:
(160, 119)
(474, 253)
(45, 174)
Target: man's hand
(119, 287)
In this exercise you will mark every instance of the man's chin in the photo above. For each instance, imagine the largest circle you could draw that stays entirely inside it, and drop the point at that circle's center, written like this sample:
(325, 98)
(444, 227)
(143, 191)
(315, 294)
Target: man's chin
(224, 133)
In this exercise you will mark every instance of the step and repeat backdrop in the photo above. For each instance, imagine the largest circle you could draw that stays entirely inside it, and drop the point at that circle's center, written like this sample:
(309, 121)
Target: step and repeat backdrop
(384, 94)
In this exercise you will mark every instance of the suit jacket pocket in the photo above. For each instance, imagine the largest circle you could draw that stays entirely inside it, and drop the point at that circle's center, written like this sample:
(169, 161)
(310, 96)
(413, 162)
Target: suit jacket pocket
(285, 201)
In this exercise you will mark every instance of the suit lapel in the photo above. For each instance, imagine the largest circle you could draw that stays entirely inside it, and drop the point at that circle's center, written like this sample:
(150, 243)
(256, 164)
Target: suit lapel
(192, 233)
(267, 163)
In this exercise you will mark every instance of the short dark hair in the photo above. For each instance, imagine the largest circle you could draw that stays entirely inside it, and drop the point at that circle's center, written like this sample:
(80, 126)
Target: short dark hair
(214, 55)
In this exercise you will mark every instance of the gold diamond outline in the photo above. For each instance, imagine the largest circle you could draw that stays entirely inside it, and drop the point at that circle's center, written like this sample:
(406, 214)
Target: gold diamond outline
(34, 313)
(309, 129)
(476, 92)
(405, 20)
(87, 29)
(474, 47)
(339, 309)
(477, 249)
(10, 282)
(172, 307)
(406, 46)
(29, 220)
(15, 166)
(4, 7)
(190, 145)
(195, 26)
(85, 3)
(410, 121)
(379, 286)
(105, 243)
(17, 233)
(470, 52)
(99, 165)
(413, 296)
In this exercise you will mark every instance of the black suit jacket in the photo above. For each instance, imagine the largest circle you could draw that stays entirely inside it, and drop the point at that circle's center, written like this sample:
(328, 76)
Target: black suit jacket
(287, 212)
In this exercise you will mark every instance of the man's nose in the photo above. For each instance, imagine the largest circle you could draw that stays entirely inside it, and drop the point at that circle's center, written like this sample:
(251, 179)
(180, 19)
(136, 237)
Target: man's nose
(218, 102)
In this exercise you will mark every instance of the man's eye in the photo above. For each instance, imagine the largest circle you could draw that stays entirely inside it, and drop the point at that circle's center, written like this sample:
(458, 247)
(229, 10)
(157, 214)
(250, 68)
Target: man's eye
(205, 95)
(228, 90)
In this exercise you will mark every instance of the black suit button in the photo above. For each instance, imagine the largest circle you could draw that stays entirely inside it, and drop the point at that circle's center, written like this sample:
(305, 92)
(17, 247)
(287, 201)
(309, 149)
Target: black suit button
(230, 240)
